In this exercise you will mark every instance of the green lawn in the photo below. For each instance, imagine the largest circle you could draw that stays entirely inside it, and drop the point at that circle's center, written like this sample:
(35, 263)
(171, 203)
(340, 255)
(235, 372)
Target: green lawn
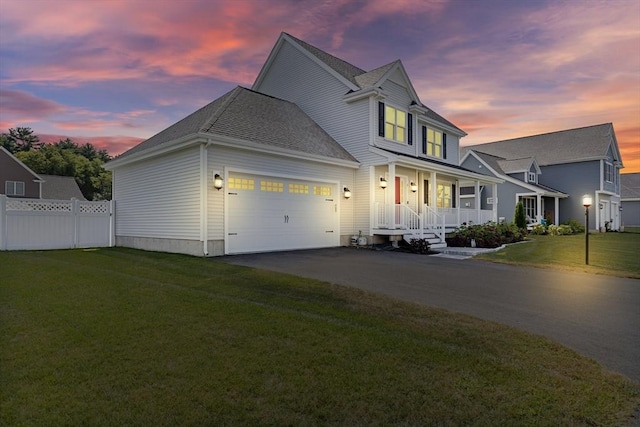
(616, 254)
(126, 337)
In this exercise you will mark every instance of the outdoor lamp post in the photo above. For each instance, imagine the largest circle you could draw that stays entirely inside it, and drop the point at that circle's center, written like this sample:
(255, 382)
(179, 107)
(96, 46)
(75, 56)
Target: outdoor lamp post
(586, 202)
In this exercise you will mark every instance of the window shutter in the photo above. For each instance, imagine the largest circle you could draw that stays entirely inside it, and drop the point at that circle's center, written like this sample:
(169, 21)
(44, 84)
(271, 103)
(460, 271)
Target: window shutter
(424, 140)
(453, 196)
(410, 127)
(381, 119)
(444, 145)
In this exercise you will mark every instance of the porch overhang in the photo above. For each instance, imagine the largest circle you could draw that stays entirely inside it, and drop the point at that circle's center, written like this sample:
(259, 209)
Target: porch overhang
(426, 165)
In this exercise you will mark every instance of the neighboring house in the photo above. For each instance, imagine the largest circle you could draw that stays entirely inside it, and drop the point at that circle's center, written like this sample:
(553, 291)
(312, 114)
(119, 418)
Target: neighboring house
(16, 179)
(551, 172)
(630, 199)
(56, 187)
(316, 152)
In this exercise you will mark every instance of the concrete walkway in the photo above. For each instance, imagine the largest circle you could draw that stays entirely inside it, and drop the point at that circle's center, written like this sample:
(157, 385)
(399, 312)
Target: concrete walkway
(598, 316)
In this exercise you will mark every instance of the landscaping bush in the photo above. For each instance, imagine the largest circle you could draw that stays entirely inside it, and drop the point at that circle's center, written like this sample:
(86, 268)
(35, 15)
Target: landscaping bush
(420, 246)
(576, 227)
(538, 229)
(489, 235)
(519, 217)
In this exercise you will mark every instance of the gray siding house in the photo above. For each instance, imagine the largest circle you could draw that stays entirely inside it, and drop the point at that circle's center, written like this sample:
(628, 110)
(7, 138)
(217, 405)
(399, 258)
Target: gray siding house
(317, 152)
(551, 172)
(630, 199)
(16, 179)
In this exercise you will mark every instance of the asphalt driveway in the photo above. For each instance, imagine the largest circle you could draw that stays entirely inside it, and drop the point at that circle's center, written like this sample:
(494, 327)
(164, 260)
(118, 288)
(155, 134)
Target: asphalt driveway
(598, 316)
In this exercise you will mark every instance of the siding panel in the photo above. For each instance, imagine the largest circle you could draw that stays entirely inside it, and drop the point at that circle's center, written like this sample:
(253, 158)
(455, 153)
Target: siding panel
(160, 197)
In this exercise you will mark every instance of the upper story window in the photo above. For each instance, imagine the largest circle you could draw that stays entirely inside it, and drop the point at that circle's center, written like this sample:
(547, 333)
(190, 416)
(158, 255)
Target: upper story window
(14, 188)
(532, 177)
(395, 124)
(434, 143)
(608, 172)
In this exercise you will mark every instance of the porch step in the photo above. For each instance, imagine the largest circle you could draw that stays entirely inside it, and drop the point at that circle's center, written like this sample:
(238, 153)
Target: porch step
(434, 241)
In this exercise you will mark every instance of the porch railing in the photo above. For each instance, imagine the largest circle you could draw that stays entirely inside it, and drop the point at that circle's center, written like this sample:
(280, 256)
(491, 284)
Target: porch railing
(475, 216)
(433, 222)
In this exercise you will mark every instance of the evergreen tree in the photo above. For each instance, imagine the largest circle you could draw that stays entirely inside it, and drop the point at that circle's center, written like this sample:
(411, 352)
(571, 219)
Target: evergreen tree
(519, 217)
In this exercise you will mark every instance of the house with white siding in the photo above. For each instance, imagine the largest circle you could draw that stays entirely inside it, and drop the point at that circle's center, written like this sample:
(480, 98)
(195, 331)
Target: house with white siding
(316, 152)
(549, 173)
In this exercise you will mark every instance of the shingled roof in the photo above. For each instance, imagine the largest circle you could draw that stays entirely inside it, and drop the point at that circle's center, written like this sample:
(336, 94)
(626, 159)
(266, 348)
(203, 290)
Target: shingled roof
(361, 78)
(57, 187)
(630, 186)
(566, 146)
(251, 116)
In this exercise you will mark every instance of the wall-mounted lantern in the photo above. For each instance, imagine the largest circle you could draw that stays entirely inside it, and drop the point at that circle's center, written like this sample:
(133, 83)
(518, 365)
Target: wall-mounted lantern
(347, 193)
(217, 182)
(383, 183)
(413, 187)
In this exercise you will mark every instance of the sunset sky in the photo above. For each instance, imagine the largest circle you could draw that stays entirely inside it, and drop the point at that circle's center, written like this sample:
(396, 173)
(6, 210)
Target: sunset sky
(114, 72)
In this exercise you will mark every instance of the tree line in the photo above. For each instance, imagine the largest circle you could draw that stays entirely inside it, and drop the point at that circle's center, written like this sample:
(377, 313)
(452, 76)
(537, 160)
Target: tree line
(65, 157)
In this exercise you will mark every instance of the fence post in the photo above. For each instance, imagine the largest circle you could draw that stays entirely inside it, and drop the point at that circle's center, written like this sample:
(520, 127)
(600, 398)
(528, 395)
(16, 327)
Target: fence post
(76, 222)
(112, 223)
(3, 222)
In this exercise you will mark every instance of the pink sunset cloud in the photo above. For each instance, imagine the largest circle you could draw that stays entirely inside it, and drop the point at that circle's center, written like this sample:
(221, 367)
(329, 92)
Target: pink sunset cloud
(497, 69)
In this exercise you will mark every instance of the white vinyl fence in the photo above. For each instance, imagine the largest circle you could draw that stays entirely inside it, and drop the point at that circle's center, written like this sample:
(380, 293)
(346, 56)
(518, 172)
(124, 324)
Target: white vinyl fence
(54, 224)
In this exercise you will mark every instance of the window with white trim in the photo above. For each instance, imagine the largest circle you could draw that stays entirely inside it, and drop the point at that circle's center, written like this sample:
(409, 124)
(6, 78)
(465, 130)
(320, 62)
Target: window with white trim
(532, 177)
(444, 196)
(608, 172)
(529, 204)
(14, 188)
(395, 124)
(434, 143)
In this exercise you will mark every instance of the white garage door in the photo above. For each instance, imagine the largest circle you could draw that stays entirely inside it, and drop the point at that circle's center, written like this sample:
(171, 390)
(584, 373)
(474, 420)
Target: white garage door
(270, 213)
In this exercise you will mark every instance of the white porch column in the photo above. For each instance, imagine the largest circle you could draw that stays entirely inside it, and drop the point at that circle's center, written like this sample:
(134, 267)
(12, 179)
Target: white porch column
(391, 195)
(434, 190)
(539, 207)
(494, 206)
(477, 202)
(556, 211)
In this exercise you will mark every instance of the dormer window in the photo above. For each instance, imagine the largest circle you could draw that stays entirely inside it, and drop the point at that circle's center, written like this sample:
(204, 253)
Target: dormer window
(532, 177)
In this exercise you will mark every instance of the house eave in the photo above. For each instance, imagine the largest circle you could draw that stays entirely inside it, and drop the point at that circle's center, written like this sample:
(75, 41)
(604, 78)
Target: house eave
(426, 165)
(460, 133)
(168, 147)
(364, 93)
(226, 141)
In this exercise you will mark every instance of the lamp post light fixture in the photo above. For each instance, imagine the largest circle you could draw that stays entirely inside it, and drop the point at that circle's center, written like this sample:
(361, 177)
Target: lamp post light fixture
(347, 193)
(217, 182)
(586, 202)
(413, 187)
(383, 183)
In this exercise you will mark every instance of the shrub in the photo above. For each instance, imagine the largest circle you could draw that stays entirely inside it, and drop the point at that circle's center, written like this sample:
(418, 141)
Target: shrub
(575, 226)
(420, 246)
(538, 229)
(489, 235)
(519, 217)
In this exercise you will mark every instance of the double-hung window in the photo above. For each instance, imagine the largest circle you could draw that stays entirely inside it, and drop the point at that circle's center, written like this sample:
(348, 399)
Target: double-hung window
(434, 143)
(395, 124)
(14, 188)
(608, 172)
